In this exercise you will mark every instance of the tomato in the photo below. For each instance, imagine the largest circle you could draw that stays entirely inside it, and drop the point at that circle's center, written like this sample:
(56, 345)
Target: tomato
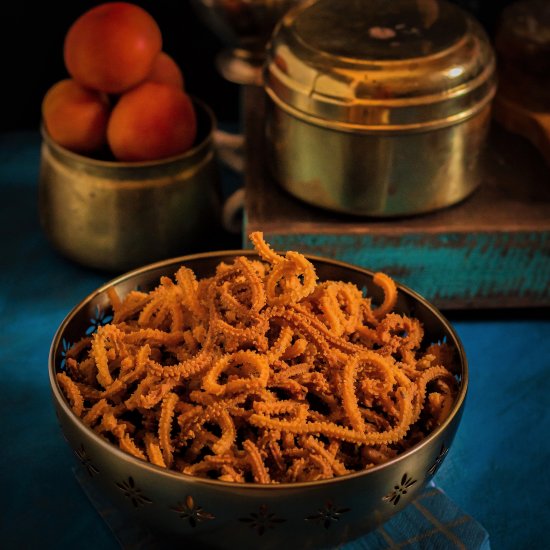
(76, 117)
(152, 121)
(166, 71)
(112, 47)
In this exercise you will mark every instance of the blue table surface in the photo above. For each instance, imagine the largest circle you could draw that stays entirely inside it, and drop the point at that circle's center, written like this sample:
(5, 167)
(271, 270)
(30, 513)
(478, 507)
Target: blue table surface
(496, 470)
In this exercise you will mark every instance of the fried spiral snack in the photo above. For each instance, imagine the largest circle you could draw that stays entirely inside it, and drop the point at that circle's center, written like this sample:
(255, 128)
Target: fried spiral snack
(260, 373)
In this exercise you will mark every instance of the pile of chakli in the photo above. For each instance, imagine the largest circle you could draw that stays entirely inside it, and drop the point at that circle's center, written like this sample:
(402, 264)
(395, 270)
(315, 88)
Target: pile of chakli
(260, 373)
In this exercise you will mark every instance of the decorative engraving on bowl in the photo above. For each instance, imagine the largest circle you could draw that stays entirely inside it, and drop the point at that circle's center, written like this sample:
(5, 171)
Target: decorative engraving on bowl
(399, 490)
(132, 492)
(262, 520)
(85, 461)
(99, 319)
(192, 512)
(65, 347)
(328, 514)
(439, 460)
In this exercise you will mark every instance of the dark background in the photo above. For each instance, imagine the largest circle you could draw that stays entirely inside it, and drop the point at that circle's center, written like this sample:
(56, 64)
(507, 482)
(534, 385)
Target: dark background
(32, 45)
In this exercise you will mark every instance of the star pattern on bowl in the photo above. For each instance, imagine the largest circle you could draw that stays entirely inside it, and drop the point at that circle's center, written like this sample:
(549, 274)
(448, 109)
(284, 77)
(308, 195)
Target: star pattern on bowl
(65, 347)
(328, 514)
(262, 520)
(192, 512)
(400, 490)
(438, 461)
(132, 492)
(85, 461)
(99, 319)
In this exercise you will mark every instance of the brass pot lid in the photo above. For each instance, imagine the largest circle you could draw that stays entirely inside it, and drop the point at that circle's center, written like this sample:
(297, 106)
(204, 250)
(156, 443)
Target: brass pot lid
(362, 65)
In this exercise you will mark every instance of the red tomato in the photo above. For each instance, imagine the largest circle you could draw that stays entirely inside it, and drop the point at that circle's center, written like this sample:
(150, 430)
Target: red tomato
(76, 117)
(152, 121)
(166, 71)
(112, 47)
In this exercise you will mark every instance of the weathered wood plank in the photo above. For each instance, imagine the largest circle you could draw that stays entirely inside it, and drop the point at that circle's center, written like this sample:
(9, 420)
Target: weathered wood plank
(492, 250)
(454, 270)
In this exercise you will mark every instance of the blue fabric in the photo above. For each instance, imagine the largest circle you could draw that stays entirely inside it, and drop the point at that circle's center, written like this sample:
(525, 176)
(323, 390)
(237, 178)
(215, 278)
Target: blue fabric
(496, 470)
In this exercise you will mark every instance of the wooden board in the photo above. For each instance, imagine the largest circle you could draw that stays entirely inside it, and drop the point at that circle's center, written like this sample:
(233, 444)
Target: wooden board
(492, 250)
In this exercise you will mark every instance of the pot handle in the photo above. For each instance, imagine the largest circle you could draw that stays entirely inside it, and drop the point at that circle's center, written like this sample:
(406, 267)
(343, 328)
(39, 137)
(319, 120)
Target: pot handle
(230, 149)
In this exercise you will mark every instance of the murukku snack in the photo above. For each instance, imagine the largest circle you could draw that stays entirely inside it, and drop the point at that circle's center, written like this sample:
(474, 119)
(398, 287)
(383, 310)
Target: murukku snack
(260, 373)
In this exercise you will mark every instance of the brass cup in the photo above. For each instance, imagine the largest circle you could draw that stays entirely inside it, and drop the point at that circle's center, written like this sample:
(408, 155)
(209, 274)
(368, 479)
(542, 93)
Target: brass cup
(118, 215)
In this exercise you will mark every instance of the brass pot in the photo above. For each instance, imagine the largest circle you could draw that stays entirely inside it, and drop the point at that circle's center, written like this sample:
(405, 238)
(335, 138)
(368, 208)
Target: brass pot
(118, 215)
(204, 513)
(378, 108)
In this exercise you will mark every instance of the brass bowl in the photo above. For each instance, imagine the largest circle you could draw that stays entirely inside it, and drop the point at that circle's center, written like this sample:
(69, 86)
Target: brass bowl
(117, 216)
(216, 514)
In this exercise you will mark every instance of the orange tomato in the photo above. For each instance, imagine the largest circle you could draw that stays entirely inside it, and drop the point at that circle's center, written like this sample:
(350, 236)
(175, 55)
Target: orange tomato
(112, 47)
(150, 122)
(76, 117)
(166, 71)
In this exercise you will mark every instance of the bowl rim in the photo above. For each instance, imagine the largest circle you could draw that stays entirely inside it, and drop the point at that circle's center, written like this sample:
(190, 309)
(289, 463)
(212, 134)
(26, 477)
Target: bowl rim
(249, 486)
